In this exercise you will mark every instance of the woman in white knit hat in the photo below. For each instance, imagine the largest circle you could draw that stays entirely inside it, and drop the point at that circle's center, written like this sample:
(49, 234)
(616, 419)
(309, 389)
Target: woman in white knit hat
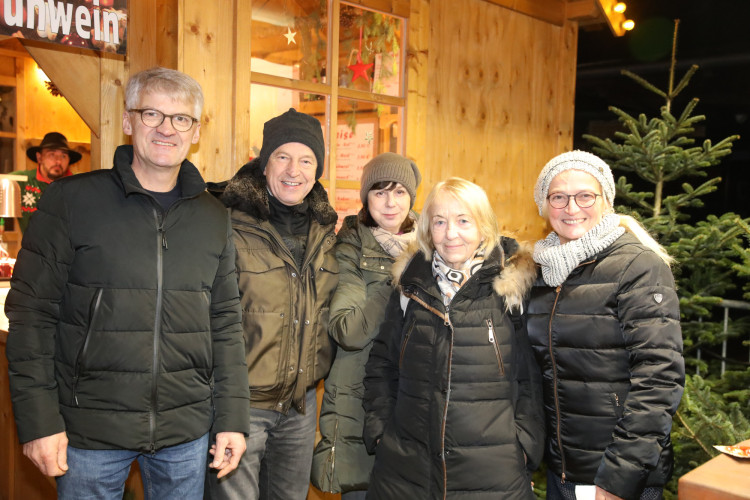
(604, 322)
(368, 244)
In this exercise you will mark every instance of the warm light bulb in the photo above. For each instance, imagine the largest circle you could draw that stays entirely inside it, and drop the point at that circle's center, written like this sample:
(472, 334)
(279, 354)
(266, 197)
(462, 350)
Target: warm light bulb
(41, 75)
(628, 24)
(620, 7)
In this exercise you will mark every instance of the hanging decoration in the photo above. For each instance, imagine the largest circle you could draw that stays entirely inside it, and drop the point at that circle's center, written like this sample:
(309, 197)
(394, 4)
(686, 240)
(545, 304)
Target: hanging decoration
(360, 69)
(290, 36)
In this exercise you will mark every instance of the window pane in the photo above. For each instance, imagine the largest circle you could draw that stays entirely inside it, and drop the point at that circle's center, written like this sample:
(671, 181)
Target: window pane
(370, 50)
(267, 102)
(290, 39)
(364, 130)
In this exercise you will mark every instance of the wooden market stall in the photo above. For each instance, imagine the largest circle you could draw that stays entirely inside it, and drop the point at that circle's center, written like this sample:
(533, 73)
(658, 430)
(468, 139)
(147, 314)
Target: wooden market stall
(482, 89)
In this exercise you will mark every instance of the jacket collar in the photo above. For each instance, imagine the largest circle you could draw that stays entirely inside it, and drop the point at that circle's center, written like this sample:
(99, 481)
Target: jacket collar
(248, 191)
(189, 179)
(510, 266)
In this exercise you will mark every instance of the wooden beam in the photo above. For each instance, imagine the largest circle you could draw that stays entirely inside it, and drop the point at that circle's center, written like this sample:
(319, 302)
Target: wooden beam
(550, 11)
(76, 73)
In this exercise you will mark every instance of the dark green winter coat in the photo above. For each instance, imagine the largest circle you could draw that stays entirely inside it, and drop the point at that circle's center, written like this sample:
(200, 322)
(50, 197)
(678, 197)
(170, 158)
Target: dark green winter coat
(452, 395)
(341, 462)
(284, 308)
(125, 320)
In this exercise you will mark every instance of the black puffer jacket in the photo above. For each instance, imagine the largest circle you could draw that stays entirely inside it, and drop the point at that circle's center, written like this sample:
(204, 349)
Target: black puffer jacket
(452, 395)
(609, 343)
(125, 321)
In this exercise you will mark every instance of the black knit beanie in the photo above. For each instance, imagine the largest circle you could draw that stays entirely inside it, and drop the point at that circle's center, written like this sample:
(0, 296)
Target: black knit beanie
(390, 167)
(293, 126)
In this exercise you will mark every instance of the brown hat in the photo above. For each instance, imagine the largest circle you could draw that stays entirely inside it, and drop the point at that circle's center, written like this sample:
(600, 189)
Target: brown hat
(390, 167)
(53, 140)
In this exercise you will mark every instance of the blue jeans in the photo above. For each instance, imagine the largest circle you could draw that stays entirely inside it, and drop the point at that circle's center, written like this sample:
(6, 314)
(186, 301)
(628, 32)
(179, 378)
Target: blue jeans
(277, 463)
(176, 472)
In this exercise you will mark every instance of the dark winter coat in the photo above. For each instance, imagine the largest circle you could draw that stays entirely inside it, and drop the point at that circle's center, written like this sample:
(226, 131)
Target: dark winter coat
(284, 308)
(452, 396)
(341, 462)
(125, 320)
(609, 343)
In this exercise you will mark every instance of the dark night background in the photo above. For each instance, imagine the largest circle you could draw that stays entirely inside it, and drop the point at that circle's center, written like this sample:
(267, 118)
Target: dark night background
(712, 34)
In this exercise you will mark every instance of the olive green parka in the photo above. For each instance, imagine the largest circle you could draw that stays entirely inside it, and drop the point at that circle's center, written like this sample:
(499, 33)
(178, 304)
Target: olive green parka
(284, 308)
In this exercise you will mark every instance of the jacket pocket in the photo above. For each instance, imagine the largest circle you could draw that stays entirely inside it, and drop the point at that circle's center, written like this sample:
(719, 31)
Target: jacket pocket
(493, 340)
(405, 341)
(617, 404)
(81, 357)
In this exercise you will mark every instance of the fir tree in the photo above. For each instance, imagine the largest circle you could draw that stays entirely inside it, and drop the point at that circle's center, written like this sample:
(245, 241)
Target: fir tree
(712, 256)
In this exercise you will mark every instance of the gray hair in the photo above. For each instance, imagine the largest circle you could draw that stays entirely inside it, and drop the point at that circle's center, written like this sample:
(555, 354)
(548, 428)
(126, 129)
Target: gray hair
(176, 84)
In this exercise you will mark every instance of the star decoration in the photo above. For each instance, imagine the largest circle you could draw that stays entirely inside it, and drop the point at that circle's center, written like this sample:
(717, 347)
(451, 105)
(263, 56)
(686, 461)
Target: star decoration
(369, 137)
(290, 36)
(360, 69)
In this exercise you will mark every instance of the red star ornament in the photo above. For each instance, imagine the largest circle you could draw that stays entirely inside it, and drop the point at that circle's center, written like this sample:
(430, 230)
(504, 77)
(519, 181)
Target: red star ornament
(360, 69)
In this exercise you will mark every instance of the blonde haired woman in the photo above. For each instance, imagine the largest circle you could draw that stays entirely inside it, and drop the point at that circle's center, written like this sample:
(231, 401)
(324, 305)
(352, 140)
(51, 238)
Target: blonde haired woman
(452, 399)
(604, 322)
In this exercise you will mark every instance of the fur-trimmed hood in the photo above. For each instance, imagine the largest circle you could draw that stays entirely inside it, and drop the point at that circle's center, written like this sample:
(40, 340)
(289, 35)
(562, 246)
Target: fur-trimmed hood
(517, 269)
(248, 191)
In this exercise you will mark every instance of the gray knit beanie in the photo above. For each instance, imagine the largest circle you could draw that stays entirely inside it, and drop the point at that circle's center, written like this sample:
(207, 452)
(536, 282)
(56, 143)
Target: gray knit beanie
(394, 168)
(576, 160)
(293, 126)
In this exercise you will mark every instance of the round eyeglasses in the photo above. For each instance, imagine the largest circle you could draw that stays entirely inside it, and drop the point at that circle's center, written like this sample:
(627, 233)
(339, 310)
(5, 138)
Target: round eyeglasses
(561, 200)
(153, 118)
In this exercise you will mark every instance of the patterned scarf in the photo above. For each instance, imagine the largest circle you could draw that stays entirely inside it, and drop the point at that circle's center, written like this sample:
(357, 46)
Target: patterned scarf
(451, 280)
(558, 260)
(393, 244)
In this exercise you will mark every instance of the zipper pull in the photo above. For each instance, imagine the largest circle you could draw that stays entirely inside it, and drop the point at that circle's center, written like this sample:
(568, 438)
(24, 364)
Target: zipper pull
(164, 241)
(490, 333)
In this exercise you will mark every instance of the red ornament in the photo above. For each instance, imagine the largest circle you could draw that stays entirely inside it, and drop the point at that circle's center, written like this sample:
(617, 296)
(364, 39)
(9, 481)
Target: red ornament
(360, 69)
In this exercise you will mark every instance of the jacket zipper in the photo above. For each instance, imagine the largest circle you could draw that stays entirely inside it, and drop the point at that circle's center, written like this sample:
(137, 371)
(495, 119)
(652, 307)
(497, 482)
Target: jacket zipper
(82, 354)
(554, 378)
(331, 459)
(161, 245)
(446, 322)
(493, 341)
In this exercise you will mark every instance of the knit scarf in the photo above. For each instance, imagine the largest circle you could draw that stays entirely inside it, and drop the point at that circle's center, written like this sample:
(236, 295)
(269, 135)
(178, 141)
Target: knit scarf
(450, 280)
(393, 244)
(558, 260)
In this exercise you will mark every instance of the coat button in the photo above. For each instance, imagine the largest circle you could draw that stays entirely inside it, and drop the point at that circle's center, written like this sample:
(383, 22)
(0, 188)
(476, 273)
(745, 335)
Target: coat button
(301, 370)
(294, 275)
(307, 321)
(382, 267)
(291, 368)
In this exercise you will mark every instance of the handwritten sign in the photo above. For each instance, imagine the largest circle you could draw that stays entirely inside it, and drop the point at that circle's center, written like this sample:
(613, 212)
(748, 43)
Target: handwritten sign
(354, 148)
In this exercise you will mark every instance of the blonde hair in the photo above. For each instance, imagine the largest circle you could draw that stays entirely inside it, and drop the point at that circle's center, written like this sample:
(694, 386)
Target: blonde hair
(474, 199)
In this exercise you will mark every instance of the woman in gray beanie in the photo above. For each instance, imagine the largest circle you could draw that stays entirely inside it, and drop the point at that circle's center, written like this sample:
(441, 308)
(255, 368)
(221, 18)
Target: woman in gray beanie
(604, 322)
(368, 244)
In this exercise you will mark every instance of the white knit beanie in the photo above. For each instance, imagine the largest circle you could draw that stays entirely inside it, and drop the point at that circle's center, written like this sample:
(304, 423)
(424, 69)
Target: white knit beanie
(576, 160)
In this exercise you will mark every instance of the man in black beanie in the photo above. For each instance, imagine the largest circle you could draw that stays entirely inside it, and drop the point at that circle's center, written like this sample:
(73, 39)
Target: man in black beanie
(287, 270)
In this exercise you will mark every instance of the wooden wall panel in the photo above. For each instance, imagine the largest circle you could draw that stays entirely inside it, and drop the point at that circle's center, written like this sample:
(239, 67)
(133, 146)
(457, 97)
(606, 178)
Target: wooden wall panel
(500, 103)
(214, 48)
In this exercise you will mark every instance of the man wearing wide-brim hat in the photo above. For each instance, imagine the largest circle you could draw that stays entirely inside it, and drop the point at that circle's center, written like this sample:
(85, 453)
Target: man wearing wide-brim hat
(54, 158)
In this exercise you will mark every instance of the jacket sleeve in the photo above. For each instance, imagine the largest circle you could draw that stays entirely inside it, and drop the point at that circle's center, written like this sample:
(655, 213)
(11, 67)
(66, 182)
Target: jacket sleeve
(33, 310)
(231, 388)
(357, 307)
(648, 311)
(529, 410)
(382, 373)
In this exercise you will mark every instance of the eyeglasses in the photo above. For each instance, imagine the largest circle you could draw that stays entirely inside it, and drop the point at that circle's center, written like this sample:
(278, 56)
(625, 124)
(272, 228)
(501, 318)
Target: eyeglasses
(153, 118)
(561, 200)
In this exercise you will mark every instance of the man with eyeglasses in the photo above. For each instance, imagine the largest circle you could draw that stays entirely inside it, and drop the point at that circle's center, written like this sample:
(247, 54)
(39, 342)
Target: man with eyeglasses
(125, 335)
(53, 157)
